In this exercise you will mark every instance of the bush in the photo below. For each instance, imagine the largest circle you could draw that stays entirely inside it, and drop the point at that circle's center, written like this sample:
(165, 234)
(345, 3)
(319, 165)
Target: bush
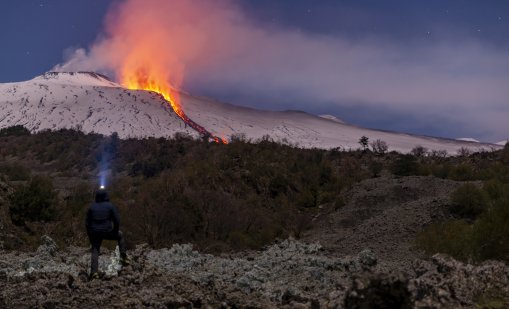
(379, 147)
(491, 233)
(14, 131)
(419, 151)
(462, 172)
(464, 152)
(34, 201)
(468, 201)
(487, 238)
(406, 165)
(496, 189)
(15, 172)
(453, 238)
(375, 168)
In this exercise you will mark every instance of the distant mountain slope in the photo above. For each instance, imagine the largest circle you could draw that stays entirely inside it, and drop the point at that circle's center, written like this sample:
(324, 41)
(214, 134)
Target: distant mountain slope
(87, 101)
(305, 130)
(93, 103)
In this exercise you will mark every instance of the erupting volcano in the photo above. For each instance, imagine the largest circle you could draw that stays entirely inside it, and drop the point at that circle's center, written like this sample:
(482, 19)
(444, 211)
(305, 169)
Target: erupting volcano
(140, 80)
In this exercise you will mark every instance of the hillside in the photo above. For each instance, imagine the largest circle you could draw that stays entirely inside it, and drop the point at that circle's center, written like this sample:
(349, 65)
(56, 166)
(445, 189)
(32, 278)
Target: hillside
(251, 225)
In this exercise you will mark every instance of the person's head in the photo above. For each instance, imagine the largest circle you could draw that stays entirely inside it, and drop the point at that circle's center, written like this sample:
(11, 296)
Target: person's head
(101, 196)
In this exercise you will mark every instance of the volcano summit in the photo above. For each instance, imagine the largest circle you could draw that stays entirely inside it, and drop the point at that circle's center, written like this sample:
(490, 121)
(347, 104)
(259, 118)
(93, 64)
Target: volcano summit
(91, 102)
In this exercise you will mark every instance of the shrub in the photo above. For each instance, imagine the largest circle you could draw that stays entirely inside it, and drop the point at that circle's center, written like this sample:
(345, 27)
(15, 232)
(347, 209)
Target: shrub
(496, 189)
(34, 201)
(462, 172)
(468, 201)
(487, 238)
(491, 233)
(375, 168)
(438, 154)
(379, 147)
(15, 172)
(419, 151)
(278, 185)
(406, 165)
(464, 152)
(453, 238)
(14, 131)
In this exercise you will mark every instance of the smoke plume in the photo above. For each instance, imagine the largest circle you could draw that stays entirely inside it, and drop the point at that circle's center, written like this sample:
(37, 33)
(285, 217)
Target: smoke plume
(217, 45)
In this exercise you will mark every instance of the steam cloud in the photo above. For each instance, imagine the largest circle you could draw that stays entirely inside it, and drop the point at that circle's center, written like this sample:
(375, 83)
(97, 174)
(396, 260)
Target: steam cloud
(216, 45)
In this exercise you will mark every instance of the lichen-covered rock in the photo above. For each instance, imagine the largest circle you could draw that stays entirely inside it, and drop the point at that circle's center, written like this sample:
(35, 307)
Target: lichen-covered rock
(443, 281)
(289, 274)
(48, 246)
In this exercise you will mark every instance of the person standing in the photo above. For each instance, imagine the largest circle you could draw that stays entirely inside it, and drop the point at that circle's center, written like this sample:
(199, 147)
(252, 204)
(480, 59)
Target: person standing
(103, 222)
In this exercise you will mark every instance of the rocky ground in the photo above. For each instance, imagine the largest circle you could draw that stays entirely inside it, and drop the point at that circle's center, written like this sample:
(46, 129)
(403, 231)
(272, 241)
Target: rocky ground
(289, 274)
(384, 215)
(359, 256)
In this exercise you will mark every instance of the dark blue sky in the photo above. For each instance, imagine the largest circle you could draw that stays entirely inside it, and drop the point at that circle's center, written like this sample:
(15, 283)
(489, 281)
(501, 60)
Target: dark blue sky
(35, 34)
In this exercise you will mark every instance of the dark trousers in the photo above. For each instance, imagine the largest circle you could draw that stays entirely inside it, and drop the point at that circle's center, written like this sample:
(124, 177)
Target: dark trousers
(96, 238)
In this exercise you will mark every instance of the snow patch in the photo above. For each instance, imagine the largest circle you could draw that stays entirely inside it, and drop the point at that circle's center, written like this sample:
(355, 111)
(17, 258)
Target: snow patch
(333, 118)
(468, 139)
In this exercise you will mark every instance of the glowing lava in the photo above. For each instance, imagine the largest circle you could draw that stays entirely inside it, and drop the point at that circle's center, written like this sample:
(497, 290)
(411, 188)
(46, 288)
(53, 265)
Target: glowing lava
(140, 81)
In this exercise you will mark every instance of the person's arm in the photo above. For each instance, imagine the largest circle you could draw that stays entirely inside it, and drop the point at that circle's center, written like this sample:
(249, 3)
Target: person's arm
(115, 218)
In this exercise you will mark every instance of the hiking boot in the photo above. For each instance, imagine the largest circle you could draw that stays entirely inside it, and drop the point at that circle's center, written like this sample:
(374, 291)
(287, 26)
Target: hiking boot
(94, 276)
(125, 260)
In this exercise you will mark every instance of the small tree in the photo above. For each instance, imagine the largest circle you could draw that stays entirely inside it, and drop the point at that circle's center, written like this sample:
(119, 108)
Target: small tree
(419, 151)
(438, 154)
(379, 146)
(464, 152)
(364, 142)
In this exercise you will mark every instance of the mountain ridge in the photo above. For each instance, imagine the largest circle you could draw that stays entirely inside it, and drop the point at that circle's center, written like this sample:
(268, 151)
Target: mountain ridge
(94, 103)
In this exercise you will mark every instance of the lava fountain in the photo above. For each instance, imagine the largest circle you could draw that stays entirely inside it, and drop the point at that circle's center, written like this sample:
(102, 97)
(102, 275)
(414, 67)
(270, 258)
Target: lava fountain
(141, 80)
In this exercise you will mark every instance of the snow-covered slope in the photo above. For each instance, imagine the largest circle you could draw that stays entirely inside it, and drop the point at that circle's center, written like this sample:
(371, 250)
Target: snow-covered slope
(93, 103)
(87, 101)
(305, 130)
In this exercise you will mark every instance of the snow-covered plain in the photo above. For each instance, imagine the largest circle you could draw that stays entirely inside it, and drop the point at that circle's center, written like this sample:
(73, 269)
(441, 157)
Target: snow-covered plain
(92, 103)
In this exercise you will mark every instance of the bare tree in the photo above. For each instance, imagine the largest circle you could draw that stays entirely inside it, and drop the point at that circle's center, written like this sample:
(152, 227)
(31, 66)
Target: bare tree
(464, 152)
(379, 146)
(419, 151)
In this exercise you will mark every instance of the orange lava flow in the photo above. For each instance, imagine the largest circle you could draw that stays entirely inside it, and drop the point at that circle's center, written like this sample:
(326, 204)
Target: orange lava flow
(139, 81)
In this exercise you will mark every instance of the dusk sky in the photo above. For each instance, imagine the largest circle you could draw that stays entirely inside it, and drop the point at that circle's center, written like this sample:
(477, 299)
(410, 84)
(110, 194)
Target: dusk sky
(434, 67)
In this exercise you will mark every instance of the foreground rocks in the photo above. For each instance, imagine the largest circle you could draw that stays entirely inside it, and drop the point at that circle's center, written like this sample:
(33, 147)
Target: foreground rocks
(289, 274)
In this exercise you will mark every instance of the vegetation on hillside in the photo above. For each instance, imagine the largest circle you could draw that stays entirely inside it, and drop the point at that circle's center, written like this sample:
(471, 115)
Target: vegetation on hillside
(235, 196)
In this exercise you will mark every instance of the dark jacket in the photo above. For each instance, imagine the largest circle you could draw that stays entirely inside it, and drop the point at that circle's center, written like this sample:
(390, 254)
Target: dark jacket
(103, 218)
